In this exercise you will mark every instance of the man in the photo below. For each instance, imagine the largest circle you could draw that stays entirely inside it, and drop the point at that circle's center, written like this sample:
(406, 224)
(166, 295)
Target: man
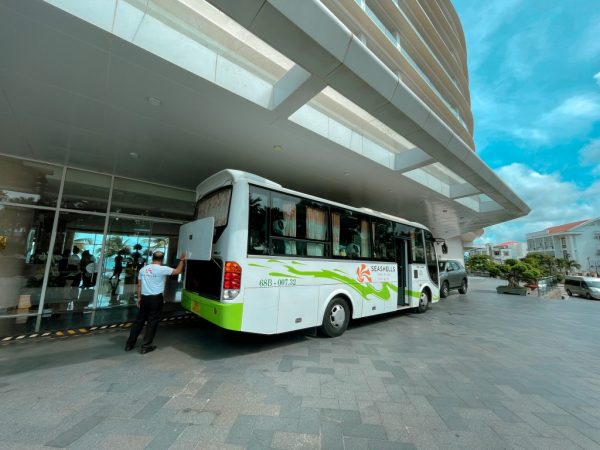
(150, 288)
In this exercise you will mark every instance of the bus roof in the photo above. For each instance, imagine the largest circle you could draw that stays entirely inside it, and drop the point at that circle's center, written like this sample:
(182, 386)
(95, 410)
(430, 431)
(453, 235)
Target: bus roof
(230, 176)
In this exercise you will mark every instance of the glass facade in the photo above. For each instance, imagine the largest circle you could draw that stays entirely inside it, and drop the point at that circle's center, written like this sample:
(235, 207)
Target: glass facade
(72, 241)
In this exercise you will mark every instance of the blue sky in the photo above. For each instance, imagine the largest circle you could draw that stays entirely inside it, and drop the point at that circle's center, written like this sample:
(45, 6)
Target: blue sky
(534, 68)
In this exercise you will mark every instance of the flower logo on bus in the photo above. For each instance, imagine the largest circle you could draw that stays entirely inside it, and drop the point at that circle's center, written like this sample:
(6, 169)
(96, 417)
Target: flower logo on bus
(363, 274)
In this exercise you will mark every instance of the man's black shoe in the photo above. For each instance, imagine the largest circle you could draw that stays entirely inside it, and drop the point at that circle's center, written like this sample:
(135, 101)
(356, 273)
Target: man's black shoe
(128, 347)
(145, 350)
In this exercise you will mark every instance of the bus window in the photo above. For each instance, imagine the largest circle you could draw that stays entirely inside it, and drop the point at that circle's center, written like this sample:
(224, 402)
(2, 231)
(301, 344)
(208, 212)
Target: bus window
(351, 235)
(417, 247)
(284, 223)
(258, 241)
(383, 239)
(432, 266)
(301, 219)
(215, 204)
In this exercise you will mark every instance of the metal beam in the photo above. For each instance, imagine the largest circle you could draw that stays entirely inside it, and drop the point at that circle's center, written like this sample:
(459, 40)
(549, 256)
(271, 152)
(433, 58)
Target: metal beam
(462, 190)
(412, 159)
(296, 88)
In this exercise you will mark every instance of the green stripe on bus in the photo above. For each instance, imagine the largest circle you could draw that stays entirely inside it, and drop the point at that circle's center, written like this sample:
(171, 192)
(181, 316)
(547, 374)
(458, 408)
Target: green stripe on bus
(364, 290)
(225, 315)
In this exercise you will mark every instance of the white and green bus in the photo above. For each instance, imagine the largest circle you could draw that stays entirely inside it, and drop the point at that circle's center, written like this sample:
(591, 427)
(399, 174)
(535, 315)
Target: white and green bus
(276, 260)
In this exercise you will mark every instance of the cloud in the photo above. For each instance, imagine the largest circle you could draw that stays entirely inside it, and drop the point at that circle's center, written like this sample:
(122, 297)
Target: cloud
(590, 156)
(573, 115)
(483, 21)
(552, 200)
(526, 49)
(588, 45)
(597, 78)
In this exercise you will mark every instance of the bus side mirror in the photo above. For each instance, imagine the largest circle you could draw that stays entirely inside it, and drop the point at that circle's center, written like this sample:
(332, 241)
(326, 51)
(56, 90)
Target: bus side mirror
(444, 248)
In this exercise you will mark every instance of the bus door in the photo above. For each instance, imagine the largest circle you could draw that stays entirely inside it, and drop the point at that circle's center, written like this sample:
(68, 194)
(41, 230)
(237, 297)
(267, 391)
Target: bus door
(401, 259)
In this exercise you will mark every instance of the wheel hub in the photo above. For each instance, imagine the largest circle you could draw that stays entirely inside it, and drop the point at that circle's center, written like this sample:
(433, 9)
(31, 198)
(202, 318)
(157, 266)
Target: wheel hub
(338, 316)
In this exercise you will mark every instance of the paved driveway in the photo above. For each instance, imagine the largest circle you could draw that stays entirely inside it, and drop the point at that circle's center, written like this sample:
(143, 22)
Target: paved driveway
(477, 371)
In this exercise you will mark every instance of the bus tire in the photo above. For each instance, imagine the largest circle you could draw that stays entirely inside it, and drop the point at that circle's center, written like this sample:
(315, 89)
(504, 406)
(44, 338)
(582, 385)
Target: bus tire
(423, 302)
(336, 318)
(445, 290)
(569, 293)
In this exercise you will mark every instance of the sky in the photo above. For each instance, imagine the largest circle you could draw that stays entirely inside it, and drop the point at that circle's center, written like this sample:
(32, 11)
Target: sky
(534, 74)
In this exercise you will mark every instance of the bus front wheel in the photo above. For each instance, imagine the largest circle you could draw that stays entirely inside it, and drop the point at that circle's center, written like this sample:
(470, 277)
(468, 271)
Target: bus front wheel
(423, 302)
(336, 318)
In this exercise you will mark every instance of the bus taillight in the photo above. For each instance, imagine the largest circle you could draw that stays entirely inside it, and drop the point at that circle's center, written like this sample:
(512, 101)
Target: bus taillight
(232, 280)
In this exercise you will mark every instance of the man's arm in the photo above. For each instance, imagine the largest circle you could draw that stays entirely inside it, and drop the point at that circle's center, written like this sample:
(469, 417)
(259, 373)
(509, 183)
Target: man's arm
(179, 268)
(139, 292)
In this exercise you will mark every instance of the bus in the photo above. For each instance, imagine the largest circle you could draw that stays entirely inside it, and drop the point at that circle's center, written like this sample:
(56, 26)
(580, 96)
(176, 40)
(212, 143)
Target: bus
(277, 260)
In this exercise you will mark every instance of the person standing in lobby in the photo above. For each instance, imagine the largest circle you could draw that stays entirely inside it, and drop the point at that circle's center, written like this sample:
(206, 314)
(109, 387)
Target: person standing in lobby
(150, 288)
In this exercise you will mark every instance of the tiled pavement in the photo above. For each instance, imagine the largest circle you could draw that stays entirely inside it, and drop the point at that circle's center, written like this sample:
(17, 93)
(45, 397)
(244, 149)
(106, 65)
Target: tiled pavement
(479, 371)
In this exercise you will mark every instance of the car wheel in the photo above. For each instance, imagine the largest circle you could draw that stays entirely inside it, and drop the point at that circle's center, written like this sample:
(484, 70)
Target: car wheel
(569, 293)
(336, 318)
(423, 302)
(445, 290)
(588, 296)
(463, 287)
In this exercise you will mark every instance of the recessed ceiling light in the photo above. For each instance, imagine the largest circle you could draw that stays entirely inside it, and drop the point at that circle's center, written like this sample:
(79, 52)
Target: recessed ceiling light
(278, 147)
(134, 155)
(154, 101)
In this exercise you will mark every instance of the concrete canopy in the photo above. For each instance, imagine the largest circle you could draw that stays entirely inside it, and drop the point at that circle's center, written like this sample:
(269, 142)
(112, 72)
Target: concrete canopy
(73, 93)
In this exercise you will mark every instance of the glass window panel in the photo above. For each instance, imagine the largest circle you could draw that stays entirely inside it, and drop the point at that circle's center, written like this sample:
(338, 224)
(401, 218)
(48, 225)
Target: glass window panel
(417, 247)
(258, 242)
(24, 244)
(126, 250)
(383, 237)
(29, 182)
(86, 191)
(147, 199)
(75, 270)
(351, 235)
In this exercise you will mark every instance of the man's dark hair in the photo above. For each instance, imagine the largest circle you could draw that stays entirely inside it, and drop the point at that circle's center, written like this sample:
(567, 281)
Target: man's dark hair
(158, 256)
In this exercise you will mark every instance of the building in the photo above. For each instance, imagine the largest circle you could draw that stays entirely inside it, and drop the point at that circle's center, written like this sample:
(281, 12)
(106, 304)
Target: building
(509, 250)
(578, 241)
(111, 111)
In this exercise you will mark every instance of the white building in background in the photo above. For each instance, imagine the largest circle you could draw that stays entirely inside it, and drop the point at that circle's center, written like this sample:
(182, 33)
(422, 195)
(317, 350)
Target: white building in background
(578, 241)
(509, 250)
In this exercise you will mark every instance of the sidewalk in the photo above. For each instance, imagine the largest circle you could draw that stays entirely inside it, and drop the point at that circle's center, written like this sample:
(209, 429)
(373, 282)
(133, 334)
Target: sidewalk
(477, 371)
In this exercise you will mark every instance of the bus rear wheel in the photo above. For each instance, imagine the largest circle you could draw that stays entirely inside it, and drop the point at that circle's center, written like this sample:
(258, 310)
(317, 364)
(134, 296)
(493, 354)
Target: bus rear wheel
(336, 318)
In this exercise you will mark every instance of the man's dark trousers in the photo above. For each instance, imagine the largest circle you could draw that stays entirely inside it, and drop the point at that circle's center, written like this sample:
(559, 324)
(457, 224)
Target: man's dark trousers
(150, 308)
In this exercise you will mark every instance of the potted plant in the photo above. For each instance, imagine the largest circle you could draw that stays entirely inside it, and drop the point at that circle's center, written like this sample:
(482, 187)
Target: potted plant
(515, 272)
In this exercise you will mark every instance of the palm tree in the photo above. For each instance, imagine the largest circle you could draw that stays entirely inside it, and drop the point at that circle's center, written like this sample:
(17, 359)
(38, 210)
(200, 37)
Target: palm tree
(568, 264)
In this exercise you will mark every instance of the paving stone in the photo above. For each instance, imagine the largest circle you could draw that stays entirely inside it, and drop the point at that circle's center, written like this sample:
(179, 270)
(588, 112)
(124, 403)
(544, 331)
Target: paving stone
(473, 385)
(292, 441)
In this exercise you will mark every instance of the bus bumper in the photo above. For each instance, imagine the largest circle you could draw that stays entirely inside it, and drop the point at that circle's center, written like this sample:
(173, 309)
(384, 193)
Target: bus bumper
(225, 315)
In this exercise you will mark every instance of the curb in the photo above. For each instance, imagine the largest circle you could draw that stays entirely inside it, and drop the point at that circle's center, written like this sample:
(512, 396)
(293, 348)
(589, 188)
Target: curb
(78, 331)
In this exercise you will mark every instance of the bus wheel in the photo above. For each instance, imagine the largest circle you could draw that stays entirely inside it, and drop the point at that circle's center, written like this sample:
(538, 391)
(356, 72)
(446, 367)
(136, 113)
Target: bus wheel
(423, 302)
(336, 318)
(569, 293)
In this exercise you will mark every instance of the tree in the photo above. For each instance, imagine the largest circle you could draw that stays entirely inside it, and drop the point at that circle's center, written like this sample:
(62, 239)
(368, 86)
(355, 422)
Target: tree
(545, 263)
(479, 263)
(568, 264)
(115, 244)
(514, 272)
